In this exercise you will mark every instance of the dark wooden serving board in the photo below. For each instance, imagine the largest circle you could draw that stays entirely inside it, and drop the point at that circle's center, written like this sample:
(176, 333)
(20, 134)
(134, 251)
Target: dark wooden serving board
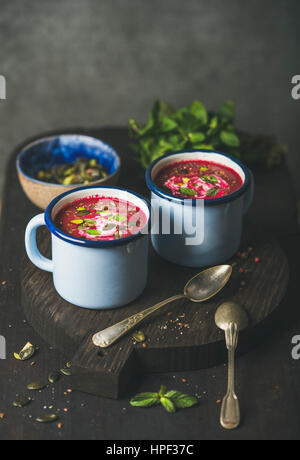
(109, 372)
(180, 337)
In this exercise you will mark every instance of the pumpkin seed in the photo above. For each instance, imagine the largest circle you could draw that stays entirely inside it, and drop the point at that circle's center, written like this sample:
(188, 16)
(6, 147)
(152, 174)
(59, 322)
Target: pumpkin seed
(53, 377)
(21, 401)
(77, 221)
(93, 231)
(139, 336)
(47, 418)
(66, 371)
(212, 191)
(26, 353)
(82, 213)
(35, 386)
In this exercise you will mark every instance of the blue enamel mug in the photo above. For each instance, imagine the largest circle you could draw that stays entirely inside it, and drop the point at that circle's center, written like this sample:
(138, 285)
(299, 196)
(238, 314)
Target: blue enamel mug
(198, 232)
(93, 274)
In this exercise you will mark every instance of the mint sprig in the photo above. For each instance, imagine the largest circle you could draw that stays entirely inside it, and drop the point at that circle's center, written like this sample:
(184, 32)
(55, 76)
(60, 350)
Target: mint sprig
(194, 127)
(170, 400)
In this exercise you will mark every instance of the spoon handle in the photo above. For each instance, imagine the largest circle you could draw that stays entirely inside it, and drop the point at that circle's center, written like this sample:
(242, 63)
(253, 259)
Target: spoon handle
(110, 335)
(230, 412)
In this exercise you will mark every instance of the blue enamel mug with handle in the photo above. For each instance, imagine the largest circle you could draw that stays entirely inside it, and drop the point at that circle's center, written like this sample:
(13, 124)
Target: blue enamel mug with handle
(217, 222)
(93, 274)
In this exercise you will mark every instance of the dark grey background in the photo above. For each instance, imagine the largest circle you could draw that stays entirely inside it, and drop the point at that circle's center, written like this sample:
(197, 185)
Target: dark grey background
(100, 62)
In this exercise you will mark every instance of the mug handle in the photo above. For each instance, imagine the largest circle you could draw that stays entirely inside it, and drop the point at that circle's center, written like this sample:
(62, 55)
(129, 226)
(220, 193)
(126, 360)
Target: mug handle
(249, 194)
(31, 247)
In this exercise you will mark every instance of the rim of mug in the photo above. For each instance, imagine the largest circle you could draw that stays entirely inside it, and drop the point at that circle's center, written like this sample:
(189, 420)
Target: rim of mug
(88, 243)
(212, 201)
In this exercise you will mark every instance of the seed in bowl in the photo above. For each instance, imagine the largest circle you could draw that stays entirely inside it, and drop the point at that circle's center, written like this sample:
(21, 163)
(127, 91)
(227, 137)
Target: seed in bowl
(100, 218)
(82, 171)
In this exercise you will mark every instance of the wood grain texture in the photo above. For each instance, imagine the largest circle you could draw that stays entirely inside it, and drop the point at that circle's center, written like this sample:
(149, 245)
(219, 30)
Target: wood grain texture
(181, 337)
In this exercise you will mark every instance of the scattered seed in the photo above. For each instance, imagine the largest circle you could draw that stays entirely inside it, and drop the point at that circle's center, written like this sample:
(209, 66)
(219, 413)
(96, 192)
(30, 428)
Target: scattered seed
(69, 365)
(26, 353)
(256, 260)
(47, 418)
(59, 426)
(2, 415)
(22, 401)
(54, 377)
(139, 336)
(35, 386)
(65, 371)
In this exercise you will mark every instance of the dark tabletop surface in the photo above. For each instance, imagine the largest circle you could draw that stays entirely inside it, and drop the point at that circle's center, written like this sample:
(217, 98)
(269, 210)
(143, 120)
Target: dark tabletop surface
(268, 377)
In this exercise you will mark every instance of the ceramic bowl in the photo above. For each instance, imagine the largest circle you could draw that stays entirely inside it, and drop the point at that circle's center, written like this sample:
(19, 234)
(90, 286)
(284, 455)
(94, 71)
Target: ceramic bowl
(59, 149)
(201, 232)
(93, 274)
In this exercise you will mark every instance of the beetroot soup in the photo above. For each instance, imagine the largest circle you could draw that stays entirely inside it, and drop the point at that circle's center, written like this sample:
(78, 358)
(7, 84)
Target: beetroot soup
(198, 179)
(100, 218)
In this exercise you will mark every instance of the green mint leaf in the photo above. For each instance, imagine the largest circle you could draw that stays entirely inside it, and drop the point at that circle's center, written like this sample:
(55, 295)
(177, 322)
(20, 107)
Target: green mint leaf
(145, 400)
(162, 390)
(168, 405)
(166, 124)
(195, 138)
(189, 123)
(187, 191)
(183, 401)
(213, 191)
(230, 139)
(199, 111)
(226, 111)
(172, 394)
(213, 124)
(92, 231)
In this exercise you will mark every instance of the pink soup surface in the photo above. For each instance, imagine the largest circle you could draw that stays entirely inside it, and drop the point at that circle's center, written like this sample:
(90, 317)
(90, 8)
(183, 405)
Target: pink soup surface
(100, 218)
(198, 179)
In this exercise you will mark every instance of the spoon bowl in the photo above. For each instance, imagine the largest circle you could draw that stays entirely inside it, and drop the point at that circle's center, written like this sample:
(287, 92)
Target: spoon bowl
(201, 287)
(207, 283)
(231, 312)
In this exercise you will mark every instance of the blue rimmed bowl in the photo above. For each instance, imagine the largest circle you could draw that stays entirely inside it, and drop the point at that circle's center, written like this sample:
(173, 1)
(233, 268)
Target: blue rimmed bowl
(93, 274)
(62, 149)
(198, 232)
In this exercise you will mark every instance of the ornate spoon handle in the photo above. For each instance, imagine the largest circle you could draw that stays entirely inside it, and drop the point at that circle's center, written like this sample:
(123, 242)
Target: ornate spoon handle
(230, 412)
(110, 335)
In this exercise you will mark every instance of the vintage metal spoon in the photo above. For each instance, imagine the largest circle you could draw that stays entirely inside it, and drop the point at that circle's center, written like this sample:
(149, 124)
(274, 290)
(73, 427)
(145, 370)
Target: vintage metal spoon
(231, 318)
(202, 287)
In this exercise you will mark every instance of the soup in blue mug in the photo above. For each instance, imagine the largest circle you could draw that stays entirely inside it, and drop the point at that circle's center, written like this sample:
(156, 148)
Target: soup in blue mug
(204, 195)
(99, 241)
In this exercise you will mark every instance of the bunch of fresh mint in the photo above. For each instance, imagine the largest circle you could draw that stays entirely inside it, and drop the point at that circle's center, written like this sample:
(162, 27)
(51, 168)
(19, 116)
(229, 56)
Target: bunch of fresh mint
(193, 127)
(170, 400)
